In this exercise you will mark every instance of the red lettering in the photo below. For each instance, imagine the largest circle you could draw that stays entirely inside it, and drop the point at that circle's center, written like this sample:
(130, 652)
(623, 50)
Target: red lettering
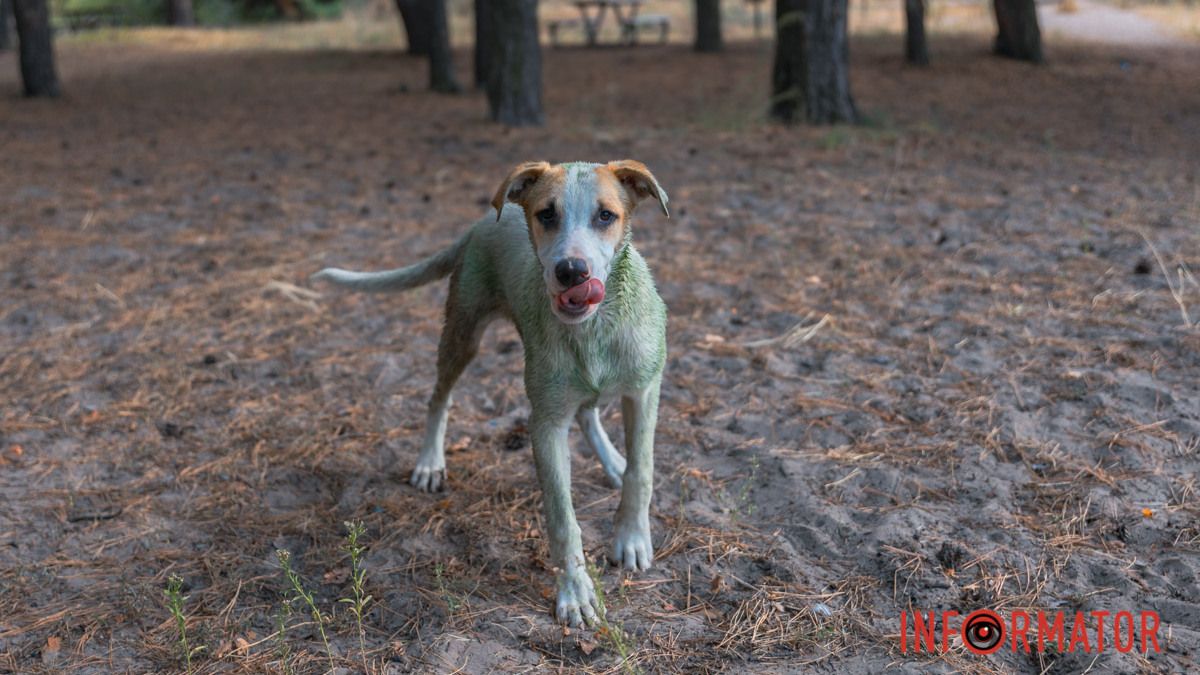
(925, 637)
(1123, 648)
(1051, 631)
(1150, 634)
(946, 629)
(1100, 617)
(1020, 631)
(1079, 633)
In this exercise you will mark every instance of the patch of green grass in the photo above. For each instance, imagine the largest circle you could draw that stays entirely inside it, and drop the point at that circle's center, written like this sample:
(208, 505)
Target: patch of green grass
(175, 600)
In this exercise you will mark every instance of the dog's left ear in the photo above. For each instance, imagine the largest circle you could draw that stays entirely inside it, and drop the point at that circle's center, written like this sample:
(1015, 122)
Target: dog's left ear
(519, 180)
(638, 182)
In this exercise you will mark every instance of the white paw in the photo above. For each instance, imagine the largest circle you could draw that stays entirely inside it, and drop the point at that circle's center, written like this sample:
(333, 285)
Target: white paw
(428, 477)
(576, 598)
(615, 471)
(632, 548)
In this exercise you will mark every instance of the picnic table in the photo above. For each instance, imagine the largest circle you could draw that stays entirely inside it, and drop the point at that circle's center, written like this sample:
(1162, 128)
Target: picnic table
(625, 13)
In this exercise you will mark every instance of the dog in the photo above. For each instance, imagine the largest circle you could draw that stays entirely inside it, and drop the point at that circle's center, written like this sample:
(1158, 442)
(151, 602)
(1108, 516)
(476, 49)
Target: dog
(557, 259)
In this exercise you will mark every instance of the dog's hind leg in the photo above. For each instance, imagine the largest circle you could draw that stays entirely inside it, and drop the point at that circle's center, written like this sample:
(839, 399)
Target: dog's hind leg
(459, 344)
(612, 461)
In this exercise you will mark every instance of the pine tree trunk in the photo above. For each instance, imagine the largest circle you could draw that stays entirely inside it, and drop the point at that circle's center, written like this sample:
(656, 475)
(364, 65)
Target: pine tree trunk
(916, 49)
(180, 13)
(5, 35)
(1017, 33)
(37, 48)
(484, 30)
(514, 87)
(708, 25)
(441, 63)
(811, 74)
(418, 19)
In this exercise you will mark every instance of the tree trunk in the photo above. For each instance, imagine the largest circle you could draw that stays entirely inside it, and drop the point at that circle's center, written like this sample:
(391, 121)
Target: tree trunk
(5, 35)
(811, 75)
(1017, 32)
(180, 13)
(916, 49)
(484, 30)
(418, 19)
(441, 64)
(37, 48)
(514, 86)
(708, 25)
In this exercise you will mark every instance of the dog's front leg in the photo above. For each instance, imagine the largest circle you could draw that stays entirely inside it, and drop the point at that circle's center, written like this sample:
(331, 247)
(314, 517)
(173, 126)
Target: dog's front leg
(631, 543)
(576, 594)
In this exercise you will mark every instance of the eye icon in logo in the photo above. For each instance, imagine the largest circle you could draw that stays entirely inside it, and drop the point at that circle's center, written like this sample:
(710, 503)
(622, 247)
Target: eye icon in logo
(983, 631)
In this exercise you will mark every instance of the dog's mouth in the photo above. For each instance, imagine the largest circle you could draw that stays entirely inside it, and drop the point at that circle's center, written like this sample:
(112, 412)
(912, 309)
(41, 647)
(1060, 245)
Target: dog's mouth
(577, 300)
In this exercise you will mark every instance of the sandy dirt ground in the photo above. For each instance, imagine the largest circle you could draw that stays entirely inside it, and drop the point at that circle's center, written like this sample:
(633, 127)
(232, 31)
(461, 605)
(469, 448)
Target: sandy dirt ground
(1001, 409)
(1102, 23)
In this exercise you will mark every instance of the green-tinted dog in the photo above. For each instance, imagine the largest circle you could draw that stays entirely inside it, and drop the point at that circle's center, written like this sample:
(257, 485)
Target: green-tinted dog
(558, 261)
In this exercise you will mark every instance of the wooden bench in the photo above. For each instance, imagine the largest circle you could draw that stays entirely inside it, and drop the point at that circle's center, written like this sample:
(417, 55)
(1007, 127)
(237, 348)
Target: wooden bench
(555, 24)
(661, 22)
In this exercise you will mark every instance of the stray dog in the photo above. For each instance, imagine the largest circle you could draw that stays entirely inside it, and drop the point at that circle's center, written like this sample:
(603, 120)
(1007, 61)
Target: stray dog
(593, 327)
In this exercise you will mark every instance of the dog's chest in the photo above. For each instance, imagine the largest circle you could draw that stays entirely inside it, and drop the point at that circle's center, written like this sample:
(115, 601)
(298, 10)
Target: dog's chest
(616, 363)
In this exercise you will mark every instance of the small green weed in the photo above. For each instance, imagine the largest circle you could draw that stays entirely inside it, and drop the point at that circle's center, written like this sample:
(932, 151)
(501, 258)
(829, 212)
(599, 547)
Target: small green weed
(293, 579)
(175, 600)
(360, 601)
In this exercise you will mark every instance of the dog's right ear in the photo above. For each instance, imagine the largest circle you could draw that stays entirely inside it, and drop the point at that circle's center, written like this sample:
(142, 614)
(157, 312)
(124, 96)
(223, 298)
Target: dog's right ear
(518, 183)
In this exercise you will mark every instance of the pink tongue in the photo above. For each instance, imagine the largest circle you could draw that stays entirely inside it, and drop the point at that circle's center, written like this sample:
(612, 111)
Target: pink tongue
(590, 292)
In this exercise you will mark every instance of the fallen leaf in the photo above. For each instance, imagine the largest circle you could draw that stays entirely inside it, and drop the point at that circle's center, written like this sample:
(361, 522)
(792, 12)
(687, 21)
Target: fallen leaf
(718, 583)
(53, 644)
(587, 647)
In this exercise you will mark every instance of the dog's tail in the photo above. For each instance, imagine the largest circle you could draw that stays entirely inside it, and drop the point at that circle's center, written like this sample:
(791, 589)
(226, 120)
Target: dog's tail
(430, 269)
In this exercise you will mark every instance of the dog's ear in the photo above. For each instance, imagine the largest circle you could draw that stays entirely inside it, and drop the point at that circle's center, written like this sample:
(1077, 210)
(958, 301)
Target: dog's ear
(638, 182)
(518, 183)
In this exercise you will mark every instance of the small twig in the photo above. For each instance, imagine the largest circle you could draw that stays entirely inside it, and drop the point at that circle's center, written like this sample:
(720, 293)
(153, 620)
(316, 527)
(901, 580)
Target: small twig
(1183, 274)
(301, 296)
(795, 335)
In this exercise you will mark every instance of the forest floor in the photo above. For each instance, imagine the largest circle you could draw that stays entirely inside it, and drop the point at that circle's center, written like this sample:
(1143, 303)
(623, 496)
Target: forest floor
(1000, 407)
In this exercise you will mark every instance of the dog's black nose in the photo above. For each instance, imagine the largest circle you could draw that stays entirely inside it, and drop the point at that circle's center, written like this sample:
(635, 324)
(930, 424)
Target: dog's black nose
(571, 272)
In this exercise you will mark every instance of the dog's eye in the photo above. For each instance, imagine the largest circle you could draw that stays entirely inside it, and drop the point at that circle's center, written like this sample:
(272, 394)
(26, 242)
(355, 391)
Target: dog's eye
(605, 216)
(546, 216)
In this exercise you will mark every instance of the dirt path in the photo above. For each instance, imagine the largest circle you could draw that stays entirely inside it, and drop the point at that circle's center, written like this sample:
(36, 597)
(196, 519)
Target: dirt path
(1102, 24)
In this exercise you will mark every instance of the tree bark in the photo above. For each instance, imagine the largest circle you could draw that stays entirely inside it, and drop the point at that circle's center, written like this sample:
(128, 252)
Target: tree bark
(180, 13)
(916, 48)
(1017, 33)
(708, 25)
(36, 48)
(5, 35)
(811, 74)
(484, 30)
(441, 63)
(418, 19)
(514, 88)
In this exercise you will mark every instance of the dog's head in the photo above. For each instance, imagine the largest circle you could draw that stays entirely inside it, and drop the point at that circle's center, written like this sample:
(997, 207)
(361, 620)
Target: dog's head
(578, 216)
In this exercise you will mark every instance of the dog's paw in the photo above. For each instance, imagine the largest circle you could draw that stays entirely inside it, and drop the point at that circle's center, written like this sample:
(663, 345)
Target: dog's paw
(632, 548)
(428, 478)
(576, 598)
(615, 471)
